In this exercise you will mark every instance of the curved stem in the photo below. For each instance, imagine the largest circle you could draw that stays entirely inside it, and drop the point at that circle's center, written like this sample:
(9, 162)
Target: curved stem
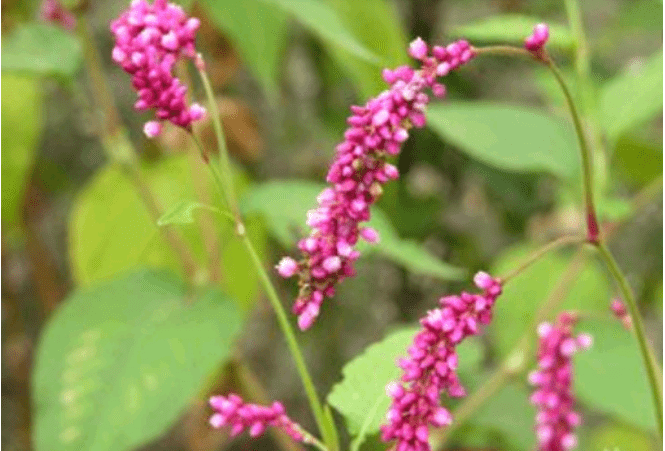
(538, 254)
(593, 231)
(287, 330)
(650, 363)
(223, 179)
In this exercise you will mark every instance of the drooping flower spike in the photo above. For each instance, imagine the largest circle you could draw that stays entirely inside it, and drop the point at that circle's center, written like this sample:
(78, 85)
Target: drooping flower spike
(556, 420)
(232, 411)
(359, 171)
(431, 368)
(149, 40)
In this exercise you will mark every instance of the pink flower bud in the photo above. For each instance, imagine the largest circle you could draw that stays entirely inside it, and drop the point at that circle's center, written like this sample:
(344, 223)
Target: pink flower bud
(418, 49)
(287, 267)
(152, 129)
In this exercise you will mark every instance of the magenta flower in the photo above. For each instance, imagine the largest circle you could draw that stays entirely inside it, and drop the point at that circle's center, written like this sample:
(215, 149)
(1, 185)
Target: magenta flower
(149, 39)
(431, 368)
(232, 411)
(53, 11)
(556, 420)
(360, 169)
(538, 38)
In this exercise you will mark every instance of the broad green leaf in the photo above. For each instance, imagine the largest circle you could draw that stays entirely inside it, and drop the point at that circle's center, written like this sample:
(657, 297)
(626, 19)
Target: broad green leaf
(524, 294)
(513, 29)
(610, 376)
(361, 395)
(119, 363)
(284, 204)
(183, 213)
(258, 31)
(376, 25)
(322, 20)
(632, 97)
(41, 49)
(508, 137)
(22, 122)
(636, 160)
(616, 437)
(111, 231)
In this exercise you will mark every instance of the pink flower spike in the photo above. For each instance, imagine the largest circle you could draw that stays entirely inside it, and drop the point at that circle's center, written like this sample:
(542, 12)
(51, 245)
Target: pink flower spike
(53, 11)
(287, 267)
(553, 396)
(431, 368)
(232, 411)
(152, 129)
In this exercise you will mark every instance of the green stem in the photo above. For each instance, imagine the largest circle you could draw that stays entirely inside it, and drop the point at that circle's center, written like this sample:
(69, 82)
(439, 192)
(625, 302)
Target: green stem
(650, 363)
(225, 163)
(587, 171)
(284, 324)
(531, 259)
(223, 180)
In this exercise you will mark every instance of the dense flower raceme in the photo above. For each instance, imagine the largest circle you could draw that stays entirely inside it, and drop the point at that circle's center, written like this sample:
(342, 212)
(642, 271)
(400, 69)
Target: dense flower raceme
(53, 11)
(232, 411)
(358, 172)
(537, 39)
(621, 313)
(556, 420)
(430, 369)
(149, 39)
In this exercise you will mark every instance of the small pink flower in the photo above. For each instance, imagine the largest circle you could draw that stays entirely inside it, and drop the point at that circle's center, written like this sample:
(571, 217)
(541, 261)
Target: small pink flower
(538, 38)
(621, 313)
(556, 420)
(152, 129)
(53, 11)
(431, 367)
(287, 267)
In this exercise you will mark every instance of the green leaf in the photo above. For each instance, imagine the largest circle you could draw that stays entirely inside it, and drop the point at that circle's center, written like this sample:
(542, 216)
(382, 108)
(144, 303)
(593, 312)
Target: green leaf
(258, 31)
(118, 364)
(515, 309)
(322, 20)
(507, 137)
(284, 204)
(361, 396)
(632, 97)
(610, 376)
(376, 25)
(512, 29)
(636, 160)
(41, 50)
(22, 121)
(111, 232)
(183, 213)
(617, 437)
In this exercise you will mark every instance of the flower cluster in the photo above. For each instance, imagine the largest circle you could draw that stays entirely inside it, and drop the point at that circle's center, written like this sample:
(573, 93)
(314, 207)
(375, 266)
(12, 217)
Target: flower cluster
(53, 11)
(149, 39)
(556, 420)
(538, 38)
(358, 172)
(431, 366)
(232, 411)
(621, 313)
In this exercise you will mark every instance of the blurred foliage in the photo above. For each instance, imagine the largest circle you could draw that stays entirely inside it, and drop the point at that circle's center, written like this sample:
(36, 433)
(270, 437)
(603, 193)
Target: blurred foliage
(494, 175)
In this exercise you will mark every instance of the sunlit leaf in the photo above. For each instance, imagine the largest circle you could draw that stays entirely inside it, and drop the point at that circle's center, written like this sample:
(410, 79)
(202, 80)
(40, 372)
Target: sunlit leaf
(512, 29)
(183, 213)
(22, 122)
(508, 137)
(119, 363)
(41, 50)
(632, 97)
(362, 394)
(111, 231)
(284, 204)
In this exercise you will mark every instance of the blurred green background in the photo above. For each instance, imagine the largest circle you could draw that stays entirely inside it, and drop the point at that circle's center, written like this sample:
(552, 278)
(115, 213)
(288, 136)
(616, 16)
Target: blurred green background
(494, 175)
